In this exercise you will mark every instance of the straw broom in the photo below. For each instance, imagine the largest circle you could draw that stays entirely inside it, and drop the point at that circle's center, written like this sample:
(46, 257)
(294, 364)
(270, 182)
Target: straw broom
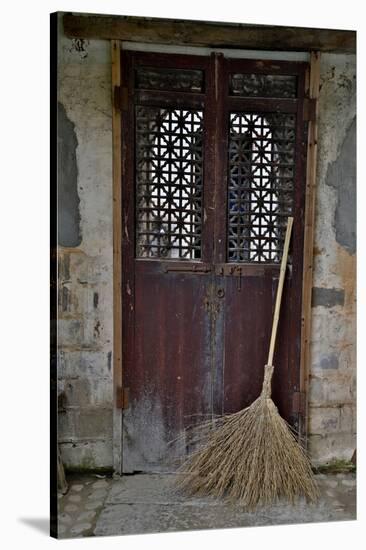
(252, 456)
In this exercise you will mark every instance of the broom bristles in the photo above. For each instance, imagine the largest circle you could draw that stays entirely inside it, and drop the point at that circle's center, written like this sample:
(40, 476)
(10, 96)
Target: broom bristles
(249, 457)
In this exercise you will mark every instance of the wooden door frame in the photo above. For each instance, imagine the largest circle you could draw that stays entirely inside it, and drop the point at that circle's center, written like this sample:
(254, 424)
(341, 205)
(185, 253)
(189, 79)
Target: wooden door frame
(313, 90)
(307, 275)
(117, 261)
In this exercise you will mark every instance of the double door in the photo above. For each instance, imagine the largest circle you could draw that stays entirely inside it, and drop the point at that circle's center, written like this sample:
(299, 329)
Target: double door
(213, 161)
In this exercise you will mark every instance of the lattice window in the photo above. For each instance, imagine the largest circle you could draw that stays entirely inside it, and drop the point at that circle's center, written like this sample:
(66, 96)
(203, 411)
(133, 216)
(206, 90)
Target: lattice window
(168, 183)
(261, 183)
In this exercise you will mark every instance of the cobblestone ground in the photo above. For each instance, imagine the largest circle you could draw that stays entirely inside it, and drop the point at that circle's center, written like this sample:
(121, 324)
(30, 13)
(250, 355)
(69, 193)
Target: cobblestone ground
(147, 503)
(80, 507)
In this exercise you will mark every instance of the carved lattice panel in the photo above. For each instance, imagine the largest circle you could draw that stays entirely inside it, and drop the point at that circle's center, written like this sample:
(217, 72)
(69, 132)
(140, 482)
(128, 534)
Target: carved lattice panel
(179, 80)
(168, 183)
(263, 85)
(261, 184)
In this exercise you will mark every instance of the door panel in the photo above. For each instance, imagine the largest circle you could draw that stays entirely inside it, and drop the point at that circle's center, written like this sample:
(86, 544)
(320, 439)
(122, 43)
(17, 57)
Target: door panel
(265, 184)
(213, 163)
(170, 380)
(168, 273)
(248, 323)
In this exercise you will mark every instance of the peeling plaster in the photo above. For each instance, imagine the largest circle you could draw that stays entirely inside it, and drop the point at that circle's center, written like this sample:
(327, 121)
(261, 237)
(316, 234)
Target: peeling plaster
(68, 223)
(80, 45)
(85, 325)
(329, 362)
(333, 347)
(327, 297)
(341, 175)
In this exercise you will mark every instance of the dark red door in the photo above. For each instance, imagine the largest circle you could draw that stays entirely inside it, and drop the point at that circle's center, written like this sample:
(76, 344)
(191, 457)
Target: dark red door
(212, 166)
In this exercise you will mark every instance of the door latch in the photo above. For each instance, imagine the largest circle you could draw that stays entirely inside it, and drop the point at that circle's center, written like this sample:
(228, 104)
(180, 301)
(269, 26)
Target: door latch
(186, 268)
(238, 284)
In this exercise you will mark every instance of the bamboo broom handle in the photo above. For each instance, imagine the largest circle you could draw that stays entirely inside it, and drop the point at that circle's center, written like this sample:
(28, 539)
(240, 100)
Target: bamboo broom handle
(281, 280)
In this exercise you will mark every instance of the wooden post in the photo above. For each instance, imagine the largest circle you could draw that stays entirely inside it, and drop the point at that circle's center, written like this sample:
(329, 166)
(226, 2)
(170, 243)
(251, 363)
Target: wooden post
(117, 260)
(314, 82)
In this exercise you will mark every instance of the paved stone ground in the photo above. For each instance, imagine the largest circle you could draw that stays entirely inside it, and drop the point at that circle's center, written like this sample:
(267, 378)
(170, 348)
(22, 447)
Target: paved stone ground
(148, 503)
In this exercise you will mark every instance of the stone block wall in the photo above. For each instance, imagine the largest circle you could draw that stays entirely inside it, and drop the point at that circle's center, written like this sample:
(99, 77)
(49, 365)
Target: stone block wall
(85, 335)
(332, 392)
(85, 324)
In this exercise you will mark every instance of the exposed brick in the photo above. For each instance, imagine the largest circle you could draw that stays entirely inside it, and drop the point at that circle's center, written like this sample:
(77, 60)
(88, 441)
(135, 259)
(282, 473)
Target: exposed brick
(88, 364)
(87, 455)
(88, 391)
(327, 297)
(322, 420)
(336, 446)
(70, 332)
(92, 423)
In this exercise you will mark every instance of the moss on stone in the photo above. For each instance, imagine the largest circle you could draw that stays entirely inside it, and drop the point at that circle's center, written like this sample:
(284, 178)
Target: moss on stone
(336, 466)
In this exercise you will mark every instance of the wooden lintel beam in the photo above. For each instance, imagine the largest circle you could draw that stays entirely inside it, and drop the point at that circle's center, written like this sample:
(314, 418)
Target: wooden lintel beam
(208, 34)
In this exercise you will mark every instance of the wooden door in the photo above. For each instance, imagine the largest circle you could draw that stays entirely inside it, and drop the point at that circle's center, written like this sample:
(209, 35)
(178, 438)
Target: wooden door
(213, 163)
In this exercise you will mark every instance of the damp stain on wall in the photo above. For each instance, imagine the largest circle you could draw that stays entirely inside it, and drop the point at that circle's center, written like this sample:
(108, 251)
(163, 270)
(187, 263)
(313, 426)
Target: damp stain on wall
(327, 297)
(69, 233)
(341, 175)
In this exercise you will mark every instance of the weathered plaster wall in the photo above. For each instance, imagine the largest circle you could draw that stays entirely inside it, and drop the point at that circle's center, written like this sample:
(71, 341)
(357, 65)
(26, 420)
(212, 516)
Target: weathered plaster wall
(85, 259)
(332, 396)
(85, 255)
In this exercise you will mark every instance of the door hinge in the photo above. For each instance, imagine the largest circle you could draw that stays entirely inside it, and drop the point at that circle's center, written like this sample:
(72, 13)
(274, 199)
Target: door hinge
(309, 109)
(299, 403)
(123, 397)
(120, 98)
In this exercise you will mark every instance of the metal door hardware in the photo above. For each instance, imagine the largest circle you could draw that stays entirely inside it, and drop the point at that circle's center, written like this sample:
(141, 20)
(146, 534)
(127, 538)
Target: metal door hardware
(187, 268)
(238, 285)
(244, 270)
